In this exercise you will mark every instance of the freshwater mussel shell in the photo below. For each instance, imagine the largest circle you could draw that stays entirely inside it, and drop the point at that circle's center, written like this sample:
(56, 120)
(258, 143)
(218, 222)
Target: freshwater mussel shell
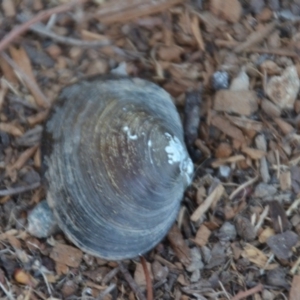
(112, 179)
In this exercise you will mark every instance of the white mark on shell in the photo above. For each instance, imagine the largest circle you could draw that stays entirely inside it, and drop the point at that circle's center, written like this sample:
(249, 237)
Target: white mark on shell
(149, 149)
(178, 154)
(129, 135)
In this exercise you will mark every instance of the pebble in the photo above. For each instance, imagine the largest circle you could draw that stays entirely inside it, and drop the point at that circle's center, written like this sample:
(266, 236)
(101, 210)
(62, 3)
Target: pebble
(281, 244)
(283, 90)
(41, 221)
(220, 80)
(227, 232)
(263, 190)
(257, 6)
(224, 171)
(241, 82)
(274, 4)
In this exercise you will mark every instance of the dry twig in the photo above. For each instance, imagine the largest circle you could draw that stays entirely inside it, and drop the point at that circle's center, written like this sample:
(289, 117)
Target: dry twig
(244, 294)
(17, 31)
(148, 279)
(131, 282)
(19, 190)
(43, 31)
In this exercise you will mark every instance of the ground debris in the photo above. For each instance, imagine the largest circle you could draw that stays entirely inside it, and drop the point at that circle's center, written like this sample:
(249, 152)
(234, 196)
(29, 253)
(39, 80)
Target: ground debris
(236, 235)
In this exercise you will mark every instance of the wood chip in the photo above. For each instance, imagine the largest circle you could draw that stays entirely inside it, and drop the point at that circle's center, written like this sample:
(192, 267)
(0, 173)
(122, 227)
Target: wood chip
(126, 10)
(197, 33)
(270, 108)
(22, 60)
(285, 127)
(202, 236)
(283, 90)
(246, 123)
(139, 274)
(256, 37)
(8, 7)
(215, 196)
(231, 159)
(226, 127)
(255, 255)
(239, 102)
(229, 10)
(8, 72)
(223, 150)
(22, 159)
(285, 181)
(66, 255)
(294, 291)
(265, 234)
(179, 246)
(11, 129)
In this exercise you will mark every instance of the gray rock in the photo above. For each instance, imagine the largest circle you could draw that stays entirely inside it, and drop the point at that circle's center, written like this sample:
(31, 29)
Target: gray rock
(41, 221)
(263, 190)
(227, 232)
(220, 80)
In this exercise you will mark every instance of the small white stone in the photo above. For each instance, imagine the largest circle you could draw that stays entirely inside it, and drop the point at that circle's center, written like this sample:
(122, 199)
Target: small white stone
(241, 82)
(41, 221)
(224, 171)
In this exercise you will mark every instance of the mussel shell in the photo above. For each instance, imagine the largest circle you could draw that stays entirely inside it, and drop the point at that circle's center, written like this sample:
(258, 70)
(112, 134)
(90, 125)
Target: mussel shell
(116, 165)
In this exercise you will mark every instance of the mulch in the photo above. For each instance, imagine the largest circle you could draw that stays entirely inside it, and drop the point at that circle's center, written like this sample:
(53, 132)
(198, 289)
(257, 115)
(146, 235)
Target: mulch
(232, 68)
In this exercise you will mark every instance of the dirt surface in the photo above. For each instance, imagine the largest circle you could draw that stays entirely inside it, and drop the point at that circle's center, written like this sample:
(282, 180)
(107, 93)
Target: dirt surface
(233, 70)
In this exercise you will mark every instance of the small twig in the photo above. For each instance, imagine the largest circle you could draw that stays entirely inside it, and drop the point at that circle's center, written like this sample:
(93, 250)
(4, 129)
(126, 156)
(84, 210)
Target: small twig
(6, 292)
(261, 219)
(279, 52)
(293, 206)
(243, 186)
(223, 288)
(245, 294)
(131, 282)
(109, 276)
(110, 288)
(19, 190)
(28, 81)
(43, 31)
(148, 279)
(17, 31)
